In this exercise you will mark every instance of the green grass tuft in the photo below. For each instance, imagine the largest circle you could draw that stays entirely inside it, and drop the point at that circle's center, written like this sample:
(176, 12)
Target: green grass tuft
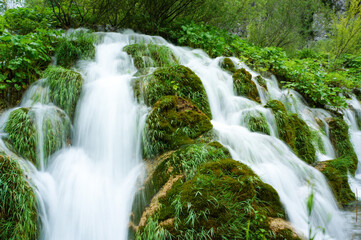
(18, 213)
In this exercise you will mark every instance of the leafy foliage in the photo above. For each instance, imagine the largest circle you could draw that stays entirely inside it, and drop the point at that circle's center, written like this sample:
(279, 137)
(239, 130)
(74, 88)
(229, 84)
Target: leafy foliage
(26, 20)
(24, 57)
(18, 215)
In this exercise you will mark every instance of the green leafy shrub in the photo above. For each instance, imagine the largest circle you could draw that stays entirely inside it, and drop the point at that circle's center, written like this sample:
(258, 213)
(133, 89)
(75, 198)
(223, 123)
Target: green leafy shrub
(24, 57)
(150, 55)
(65, 87)
(211, 39)
(177, 80)
(18, 213)
(26, 20)
(244, 86)
(78, 45)
(173, 122)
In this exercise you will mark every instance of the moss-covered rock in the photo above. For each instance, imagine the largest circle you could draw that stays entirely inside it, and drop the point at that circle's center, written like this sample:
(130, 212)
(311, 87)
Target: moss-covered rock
(262, 82)
(174, 121)
(217, 203)
(294, 131)
(18, 214)
(177, 80)
(256, 122)
(228, 65)
(79, 45)
(65, 88)
(186, 160)
(244, 86)
(150, 55)
(340, 139)
(336, 171)
(23, 133)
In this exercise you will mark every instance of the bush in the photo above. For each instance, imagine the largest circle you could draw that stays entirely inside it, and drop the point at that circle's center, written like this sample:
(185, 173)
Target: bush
(26, 20)
(24, 57)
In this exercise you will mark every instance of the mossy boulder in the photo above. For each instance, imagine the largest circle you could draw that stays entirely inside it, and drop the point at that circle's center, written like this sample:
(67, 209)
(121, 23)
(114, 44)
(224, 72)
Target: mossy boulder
(18, 213)
(177, 80)
(244, 86)
(221, 201)
(262, 82)
(336, 171)
(186, 160)
(150, 55)
(23, 133)
(228, 65)
(65, 87)
(340, 139)
(174, 121)
(294, 131)
(78, 45)
(256, 122)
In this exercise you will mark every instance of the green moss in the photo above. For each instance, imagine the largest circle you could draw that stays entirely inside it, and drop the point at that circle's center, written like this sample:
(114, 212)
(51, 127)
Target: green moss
(23, 133)
(219, 202)
(336, 173)
(79, 45)
(228, 65)
(340, 139)
(65, 88)
(244, 86)
(150, 55)
(177, 80)
(294, 131)
(18, 215)
(261, 82)
(256, 122)
(174, 121)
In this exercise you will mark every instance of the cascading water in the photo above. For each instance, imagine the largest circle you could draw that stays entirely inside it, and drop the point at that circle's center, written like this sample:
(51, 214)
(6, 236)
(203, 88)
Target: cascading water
(86, 190)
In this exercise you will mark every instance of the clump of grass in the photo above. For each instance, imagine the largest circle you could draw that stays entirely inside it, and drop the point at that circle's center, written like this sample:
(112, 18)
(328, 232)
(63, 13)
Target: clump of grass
(18, 214)
(23, 133)
(78, 45)
(150, 55)
(256, 122)
(65, 87)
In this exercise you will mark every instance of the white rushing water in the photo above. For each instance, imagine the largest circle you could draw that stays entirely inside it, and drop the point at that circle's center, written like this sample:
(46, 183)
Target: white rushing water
(86, 190)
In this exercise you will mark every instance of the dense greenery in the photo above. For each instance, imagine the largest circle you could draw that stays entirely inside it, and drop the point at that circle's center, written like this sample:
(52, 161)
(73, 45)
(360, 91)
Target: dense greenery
(18, 215)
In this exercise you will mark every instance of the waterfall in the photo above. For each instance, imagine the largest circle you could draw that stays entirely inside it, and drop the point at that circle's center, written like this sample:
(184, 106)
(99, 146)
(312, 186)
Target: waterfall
(86, 190)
